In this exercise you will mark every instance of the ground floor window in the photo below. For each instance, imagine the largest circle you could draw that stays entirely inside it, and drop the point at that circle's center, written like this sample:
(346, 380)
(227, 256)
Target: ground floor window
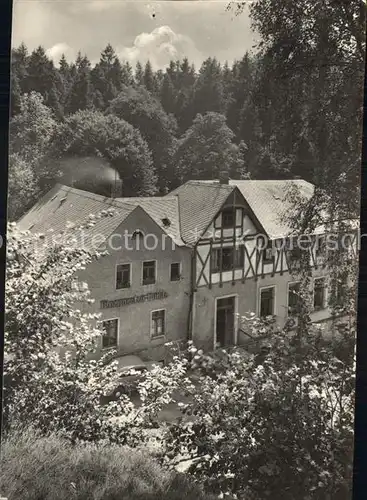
(293, 298)
(109, 338)
(267, 302)
(319, 293)
(158, 323)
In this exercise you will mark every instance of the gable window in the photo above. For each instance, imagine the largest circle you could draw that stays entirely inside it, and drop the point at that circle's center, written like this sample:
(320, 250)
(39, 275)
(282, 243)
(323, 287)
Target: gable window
(267, 302)
(268, 253)
(109, 338)
(228, 218)
(149, 272)
(175, 271)
(158, 323)
(319, 293)
(137, 234)
(226, 259)
(123, 279)
(138, 239)
(293, 298)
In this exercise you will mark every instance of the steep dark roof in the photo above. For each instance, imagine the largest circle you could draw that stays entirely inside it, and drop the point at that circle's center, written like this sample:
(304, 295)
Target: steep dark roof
(199, 202)
(163, 210)
(269, 200)
(64, 207)
(184, 214)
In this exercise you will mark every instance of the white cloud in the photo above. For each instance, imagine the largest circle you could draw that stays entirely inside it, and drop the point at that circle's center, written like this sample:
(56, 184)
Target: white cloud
(56, 51)
(160, 46)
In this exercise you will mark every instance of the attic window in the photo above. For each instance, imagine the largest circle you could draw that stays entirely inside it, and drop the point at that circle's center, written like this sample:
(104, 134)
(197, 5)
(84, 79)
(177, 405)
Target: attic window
(137, 233)
(166, 222)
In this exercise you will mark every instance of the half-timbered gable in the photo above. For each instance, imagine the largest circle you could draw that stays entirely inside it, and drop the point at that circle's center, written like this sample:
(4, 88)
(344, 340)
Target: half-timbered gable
(245, 255)
(225, 250)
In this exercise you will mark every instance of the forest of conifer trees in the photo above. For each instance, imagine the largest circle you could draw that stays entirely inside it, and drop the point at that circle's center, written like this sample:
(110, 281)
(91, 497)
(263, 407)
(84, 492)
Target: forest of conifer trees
(281, 112)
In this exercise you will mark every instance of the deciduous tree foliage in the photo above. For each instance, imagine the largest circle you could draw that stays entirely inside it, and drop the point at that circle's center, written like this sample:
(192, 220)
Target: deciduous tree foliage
(91, 133)
(32, 131)
(311, 75)
(206, 148)
(41, 385)
(22, 186)
(145, 113)
(268, 426)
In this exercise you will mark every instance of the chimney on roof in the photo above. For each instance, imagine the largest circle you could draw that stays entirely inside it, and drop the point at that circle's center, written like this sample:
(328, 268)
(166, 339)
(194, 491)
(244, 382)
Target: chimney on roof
(223, 177)
(116, 189)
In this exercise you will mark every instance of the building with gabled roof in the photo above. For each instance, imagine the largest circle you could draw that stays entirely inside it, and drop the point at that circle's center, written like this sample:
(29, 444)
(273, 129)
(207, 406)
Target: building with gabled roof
(187, 265)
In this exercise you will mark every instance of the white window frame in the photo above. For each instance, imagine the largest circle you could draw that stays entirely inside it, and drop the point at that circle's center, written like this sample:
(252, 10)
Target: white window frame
(272, 249)
(156, 272)
(118, 334)
(225, 211)
(325, 305)
(287, 306)
(179, 271)
(154, 337)
(131, 279)
(259, 299)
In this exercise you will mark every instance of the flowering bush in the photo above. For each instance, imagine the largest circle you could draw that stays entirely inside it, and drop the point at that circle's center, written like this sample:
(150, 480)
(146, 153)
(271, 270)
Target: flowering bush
(49, 376)
(51, 379)
(272, 424)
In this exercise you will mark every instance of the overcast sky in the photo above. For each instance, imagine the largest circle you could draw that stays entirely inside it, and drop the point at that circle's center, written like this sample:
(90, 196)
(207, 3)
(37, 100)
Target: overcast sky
(137, 30)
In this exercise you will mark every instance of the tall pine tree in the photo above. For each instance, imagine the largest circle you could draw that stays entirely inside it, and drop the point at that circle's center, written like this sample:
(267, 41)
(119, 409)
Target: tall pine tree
(81, 92)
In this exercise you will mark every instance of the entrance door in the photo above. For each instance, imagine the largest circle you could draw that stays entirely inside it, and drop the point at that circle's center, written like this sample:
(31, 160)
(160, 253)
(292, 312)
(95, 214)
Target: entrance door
(225, 321)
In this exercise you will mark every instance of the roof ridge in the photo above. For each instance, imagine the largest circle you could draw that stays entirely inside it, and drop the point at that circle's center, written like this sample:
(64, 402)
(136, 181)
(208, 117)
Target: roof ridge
(270, 180)
(180, 220)
(209, 183)
(94, 196)
(135, 199)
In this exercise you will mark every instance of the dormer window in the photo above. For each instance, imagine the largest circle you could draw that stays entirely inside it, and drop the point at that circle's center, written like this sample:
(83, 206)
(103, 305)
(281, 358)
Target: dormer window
(228, 218)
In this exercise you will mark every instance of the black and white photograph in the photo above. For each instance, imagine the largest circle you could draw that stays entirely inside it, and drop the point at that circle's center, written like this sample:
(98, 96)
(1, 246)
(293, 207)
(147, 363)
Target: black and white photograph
(182, 249)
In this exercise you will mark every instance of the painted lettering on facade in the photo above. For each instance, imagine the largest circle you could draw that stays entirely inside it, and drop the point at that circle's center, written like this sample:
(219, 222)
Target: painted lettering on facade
(108, 304)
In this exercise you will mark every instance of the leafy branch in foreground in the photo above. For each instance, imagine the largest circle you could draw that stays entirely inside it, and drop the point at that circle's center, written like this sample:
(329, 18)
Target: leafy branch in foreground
(280, 424)
(51, 378)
